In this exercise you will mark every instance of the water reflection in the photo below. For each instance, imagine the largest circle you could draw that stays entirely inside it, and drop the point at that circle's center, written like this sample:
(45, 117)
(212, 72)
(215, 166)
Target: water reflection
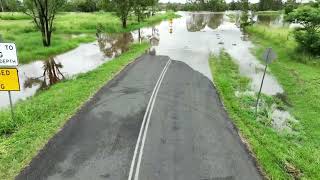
(113, 45)
(215, 21)
(274, 20)
(171, 38)
(51, 75)
(42, 74)
(197, 22)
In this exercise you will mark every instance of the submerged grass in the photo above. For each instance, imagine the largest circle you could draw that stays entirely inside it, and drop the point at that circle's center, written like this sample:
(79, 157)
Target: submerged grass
(18, 28)
(269, 147)
(281, 155)
(299, 74)
(38, 118)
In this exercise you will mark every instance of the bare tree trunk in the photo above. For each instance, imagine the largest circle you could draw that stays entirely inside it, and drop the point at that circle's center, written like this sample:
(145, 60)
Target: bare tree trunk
(124, 22)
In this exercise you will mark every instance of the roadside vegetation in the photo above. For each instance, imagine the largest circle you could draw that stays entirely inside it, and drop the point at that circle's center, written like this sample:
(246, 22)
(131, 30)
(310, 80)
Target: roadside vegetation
(40, 117)
(266, 144)
(299, 75)
(281, 154)
(71, 29)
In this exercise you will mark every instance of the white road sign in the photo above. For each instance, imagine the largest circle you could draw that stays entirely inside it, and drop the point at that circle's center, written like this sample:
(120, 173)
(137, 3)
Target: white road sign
(8, 55)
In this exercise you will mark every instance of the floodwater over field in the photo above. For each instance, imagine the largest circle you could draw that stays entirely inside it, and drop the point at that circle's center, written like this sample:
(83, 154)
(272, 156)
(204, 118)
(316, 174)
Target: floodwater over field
(191, 39)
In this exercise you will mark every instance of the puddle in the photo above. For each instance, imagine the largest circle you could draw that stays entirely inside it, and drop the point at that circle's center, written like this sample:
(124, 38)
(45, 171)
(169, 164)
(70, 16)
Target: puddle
(191, 39)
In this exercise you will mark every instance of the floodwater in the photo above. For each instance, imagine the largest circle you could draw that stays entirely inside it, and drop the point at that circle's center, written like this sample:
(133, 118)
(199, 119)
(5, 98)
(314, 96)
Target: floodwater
(41, 74)
(191, 39)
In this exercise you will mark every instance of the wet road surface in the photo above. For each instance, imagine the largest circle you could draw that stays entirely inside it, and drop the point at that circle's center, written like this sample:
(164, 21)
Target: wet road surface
(188, 135)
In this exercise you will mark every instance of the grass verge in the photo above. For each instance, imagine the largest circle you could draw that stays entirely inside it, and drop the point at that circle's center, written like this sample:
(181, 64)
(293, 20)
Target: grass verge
(40, 117)
(281, 155)
(299, 74)
(265, 143)
(18, 28)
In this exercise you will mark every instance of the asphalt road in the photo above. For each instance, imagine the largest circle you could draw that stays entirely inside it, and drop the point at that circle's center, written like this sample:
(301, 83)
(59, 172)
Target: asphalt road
(187, 134)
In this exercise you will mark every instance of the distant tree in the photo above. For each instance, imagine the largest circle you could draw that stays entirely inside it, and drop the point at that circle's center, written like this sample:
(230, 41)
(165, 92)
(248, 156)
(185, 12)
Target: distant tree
(140, 6)
(232, 5)
(123, 8)
(215, 5)
(14, 5)
(87, 6)
(245, 13)
(289, 6)
(43, 13)
(308, 37)
(2, 5)
(106, 5)
(153, 4)
(265, 5)
(172, 6)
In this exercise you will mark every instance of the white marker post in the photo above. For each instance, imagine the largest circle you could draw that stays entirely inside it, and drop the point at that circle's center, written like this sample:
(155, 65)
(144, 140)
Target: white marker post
(268, 57)
(9, 78)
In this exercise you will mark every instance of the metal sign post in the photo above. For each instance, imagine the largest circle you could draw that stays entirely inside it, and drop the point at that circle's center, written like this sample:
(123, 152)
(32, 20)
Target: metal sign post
(9, 78)
(11, 106)
(268, 57)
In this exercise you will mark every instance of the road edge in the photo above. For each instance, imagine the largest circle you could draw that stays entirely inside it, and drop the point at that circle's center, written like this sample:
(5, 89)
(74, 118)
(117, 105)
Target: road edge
(244, 143)
(73, 118)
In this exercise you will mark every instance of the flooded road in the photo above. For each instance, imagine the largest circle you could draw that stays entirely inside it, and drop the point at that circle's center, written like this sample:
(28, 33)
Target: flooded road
(191, 39)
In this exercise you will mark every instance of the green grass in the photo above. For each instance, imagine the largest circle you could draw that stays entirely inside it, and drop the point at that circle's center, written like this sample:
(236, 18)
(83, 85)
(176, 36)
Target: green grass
(38, 118)
(269, 147)
(299, 75)
(281, 155)
(18, 28)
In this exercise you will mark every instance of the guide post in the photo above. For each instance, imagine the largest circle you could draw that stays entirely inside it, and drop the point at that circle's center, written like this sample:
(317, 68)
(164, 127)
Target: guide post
(268, 57)
(9, 78)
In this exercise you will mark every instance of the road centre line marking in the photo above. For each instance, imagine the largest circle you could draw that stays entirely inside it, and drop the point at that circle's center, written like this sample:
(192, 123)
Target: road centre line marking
(145, 122)
(146, 128)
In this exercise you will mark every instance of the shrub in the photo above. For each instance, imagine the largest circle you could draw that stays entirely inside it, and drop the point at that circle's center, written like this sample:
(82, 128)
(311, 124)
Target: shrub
(308, 36)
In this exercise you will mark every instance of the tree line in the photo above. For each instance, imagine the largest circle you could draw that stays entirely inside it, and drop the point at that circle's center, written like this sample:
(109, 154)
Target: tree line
(43, 12)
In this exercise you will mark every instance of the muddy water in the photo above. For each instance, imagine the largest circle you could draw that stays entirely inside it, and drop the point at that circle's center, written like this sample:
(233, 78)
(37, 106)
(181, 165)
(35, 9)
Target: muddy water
(193, 37)
(41, 74)
(190, 39)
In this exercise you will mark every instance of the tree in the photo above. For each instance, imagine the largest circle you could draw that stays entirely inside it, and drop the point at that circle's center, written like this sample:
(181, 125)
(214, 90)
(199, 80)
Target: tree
(43, 13)
(123, 8)
(106, 5)
(289, 6)
(140, 6)
(216, 5)
(153, 4)
(87, 5)
(308, 37)
(232, 5)
(2, 5)
(13, 5)
(269, 5)
(245, 13)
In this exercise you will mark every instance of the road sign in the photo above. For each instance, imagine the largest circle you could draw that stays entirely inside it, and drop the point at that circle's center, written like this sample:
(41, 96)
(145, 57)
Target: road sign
(9, 79)
(269, 55)
(8, 55)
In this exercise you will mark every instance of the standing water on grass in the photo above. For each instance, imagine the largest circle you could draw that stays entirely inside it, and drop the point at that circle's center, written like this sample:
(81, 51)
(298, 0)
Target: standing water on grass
(191, 39)
(41, 74)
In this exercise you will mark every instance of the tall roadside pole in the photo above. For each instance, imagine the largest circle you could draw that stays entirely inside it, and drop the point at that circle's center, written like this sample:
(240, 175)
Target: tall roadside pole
(9, 78)
(268, 56)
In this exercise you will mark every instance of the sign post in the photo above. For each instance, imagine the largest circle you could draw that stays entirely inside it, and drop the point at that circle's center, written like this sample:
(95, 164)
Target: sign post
(268, 57)
(9, 78)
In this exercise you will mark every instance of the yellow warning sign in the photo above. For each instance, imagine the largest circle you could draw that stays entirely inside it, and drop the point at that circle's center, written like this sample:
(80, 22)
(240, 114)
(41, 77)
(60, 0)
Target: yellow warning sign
(9, 79)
